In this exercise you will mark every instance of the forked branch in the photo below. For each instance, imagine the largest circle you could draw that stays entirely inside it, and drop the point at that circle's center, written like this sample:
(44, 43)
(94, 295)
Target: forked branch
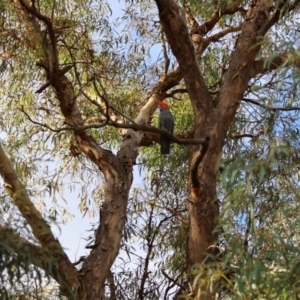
(283, 8)
(206, 27)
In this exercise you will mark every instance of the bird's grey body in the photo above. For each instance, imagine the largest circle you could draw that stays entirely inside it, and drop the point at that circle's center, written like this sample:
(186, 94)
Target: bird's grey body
(166, 122)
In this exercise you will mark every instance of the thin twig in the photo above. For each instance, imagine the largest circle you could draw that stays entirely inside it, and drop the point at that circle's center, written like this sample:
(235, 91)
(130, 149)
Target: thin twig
(81, 259)
(269, 107)
(240, 136)
(103, 97)
(40, 124)
(172, 280)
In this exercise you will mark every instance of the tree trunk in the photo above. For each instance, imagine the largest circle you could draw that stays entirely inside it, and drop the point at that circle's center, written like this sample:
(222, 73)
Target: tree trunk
(107, 237)
(211, 122)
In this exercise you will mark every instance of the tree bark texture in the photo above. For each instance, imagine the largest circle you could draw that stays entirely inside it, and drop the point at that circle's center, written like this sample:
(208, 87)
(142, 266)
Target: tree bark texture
(211, 121)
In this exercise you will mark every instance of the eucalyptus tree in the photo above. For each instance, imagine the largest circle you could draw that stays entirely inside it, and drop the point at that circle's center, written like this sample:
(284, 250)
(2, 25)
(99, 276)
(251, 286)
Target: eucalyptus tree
(79, 93)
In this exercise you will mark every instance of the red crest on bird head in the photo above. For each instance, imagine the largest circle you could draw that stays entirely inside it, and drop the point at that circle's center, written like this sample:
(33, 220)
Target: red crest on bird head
(163, 104)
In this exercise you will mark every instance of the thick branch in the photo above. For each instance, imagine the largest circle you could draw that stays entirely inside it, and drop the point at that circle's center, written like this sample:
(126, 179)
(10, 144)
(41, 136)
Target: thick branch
(219, 35)
(199, 31)
(167, 82)
(11, 239)
(281, 10)
(202, 205)
(53, 63)
(39, 226)
(35, 35)
(134, 126)
(178, 37)
(47, 84)
(26, 251)
(201, 44)
(269, 64)
(216, 16)
(191, 19)
(165, 53)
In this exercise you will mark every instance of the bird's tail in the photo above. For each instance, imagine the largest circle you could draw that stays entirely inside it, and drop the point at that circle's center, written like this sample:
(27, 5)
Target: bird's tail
(164, 145)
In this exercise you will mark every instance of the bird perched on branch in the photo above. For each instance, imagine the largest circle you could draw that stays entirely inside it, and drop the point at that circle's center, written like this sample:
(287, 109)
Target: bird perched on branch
(166, 122)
